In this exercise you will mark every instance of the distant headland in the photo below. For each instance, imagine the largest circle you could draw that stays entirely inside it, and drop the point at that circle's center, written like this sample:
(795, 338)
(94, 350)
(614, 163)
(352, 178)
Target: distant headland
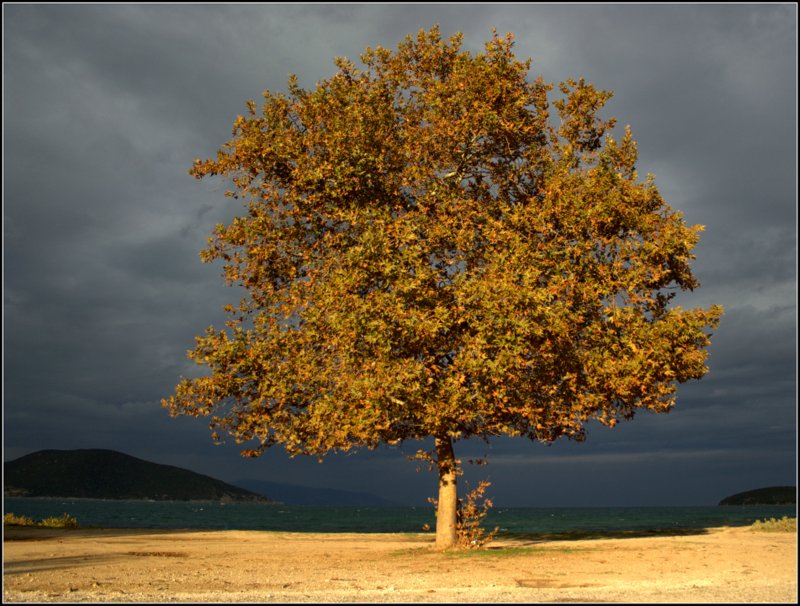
(108, 474)
(773, 495)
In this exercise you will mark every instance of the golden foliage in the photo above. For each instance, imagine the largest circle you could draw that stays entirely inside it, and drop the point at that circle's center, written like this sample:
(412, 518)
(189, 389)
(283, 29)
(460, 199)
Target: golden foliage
(423, 253)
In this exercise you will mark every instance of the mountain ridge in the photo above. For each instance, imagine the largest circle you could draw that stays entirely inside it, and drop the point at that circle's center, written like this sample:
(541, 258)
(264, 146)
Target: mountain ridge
(109, 474)
(771, 495)
(296, 494)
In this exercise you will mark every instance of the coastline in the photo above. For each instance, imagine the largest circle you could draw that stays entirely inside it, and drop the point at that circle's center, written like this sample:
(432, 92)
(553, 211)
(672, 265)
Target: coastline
(227, 500)
(726, 564)
(212, 515)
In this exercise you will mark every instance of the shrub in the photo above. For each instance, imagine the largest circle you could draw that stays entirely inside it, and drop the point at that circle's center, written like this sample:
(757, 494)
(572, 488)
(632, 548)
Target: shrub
(13, 519)
(65, 521)
(785, 524)
(471, 534)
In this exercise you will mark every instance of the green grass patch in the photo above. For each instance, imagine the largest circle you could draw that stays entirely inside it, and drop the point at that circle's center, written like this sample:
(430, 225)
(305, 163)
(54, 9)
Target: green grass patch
(65, 521)
(411, 536)
(510, 552)
(785, 524)
(487, 552)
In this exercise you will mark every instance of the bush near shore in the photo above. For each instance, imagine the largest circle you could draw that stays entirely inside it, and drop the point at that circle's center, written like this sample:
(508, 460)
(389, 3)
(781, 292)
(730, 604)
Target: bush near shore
(785, 524)
(65, 521)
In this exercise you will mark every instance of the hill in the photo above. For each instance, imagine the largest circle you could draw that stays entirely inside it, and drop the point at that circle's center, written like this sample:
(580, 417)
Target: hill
(292, 494)
(773, 495)
(108, 474)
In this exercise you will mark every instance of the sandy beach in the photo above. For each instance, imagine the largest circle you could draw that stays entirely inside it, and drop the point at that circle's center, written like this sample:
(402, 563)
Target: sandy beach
(113, 565)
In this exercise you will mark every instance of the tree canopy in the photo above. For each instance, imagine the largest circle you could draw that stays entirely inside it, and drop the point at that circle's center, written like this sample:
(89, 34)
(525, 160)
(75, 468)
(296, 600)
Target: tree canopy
(429, 251)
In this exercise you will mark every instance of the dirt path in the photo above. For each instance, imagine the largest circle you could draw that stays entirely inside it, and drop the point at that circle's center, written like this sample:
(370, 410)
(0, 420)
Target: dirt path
(719, 565)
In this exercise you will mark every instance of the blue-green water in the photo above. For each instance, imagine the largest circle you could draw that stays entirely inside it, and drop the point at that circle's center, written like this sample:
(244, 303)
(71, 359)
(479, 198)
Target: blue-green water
(296, 518)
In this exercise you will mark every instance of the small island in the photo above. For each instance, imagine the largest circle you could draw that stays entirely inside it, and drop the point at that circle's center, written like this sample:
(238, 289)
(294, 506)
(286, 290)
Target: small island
(773, 495)
(108, 474)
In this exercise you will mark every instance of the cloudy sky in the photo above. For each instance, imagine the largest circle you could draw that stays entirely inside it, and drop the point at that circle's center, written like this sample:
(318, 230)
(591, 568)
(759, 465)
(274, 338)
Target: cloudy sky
(104, 108)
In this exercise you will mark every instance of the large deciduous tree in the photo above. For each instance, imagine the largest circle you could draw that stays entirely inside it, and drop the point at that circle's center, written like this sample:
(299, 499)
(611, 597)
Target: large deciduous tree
(429, 252)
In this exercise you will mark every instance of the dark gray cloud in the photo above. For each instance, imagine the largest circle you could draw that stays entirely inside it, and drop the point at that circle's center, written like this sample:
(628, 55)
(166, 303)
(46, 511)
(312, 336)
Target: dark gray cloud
(106, 106)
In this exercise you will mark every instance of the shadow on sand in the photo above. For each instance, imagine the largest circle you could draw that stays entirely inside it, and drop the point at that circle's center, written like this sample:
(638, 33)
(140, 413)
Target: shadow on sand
(532, 538)
(37, 533)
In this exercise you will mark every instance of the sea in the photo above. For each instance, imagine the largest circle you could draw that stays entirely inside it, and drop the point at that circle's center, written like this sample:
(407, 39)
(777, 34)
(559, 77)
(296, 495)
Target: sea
(211, 515)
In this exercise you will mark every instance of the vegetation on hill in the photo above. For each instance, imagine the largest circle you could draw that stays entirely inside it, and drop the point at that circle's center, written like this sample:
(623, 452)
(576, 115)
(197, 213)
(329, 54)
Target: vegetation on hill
(107, 474)
(773, 495)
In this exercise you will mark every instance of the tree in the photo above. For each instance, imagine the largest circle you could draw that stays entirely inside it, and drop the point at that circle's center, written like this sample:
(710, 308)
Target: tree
(425, 254)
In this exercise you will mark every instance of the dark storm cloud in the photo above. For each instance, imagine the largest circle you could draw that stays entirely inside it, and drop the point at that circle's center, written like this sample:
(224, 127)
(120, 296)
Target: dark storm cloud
(106, 106)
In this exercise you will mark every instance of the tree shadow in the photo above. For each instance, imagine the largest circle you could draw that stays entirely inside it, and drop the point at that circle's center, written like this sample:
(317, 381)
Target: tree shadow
(37, 533)
(52, 563)
(532, 538)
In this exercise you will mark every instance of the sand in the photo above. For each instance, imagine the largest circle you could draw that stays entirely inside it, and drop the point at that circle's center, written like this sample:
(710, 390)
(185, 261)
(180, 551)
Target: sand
(713, 565)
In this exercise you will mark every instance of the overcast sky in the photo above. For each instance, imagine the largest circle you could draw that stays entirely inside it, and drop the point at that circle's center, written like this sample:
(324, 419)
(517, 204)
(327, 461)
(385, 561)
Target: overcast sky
(104, 108)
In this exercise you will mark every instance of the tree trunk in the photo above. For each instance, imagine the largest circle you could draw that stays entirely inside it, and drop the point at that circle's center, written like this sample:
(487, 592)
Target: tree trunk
(448, 494)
